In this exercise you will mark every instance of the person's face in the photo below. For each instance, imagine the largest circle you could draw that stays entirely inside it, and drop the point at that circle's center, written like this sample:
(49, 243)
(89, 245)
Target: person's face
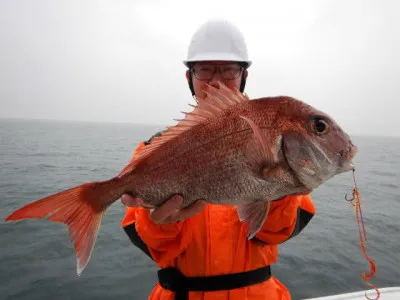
(210, 72)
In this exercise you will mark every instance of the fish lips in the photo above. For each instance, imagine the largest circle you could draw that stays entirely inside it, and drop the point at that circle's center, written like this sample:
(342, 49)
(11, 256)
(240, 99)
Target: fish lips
(347, 159)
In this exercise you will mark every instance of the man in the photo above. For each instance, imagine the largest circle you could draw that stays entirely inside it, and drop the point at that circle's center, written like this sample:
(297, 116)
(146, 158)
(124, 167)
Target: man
(202, 250)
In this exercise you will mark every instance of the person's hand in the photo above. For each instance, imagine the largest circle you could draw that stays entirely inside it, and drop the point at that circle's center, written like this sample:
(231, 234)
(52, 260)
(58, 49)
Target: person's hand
(169, 212)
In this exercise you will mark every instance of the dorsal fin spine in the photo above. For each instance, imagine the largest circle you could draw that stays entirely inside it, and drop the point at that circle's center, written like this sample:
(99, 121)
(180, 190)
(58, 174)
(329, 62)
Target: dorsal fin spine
(218, 101)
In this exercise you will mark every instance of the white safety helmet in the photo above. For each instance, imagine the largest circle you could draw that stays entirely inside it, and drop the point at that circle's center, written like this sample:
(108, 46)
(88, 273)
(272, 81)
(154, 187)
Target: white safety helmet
(217, 40)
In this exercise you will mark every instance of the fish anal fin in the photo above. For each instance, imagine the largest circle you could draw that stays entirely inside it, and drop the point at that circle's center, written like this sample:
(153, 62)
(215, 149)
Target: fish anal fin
(255, 214)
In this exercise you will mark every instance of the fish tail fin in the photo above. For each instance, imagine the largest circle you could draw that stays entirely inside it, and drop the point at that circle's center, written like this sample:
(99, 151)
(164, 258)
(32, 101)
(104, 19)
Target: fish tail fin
(80, 208)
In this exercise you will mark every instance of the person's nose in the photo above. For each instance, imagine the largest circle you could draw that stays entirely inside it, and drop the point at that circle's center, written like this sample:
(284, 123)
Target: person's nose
(216, 78)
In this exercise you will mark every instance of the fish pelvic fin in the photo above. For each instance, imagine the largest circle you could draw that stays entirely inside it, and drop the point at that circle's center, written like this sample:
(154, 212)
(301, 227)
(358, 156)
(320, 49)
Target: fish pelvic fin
(80, 208)
(255, 214)
(217, 101)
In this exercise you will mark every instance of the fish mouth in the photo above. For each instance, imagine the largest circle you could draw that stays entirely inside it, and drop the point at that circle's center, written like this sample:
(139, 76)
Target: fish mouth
(346, 167)
(347, 164)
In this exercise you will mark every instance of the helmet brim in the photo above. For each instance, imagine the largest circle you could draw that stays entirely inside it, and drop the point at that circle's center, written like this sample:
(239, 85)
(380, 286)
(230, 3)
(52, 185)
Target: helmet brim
(216, 57)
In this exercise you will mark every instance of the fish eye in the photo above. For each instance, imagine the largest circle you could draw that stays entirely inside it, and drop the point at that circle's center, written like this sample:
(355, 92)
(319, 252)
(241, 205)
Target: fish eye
(319, 126)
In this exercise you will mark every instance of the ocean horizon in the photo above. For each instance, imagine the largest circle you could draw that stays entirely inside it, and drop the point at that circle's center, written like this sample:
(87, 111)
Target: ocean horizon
(40, 157)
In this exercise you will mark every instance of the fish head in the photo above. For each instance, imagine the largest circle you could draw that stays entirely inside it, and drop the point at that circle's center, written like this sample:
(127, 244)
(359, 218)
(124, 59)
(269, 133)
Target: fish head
(315, 146)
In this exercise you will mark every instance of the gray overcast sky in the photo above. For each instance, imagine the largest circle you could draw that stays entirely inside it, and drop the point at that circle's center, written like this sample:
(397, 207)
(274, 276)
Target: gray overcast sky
(121, 61)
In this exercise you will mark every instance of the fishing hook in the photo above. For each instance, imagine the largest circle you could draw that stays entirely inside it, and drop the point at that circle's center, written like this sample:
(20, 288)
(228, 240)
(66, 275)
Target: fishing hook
(348, 199)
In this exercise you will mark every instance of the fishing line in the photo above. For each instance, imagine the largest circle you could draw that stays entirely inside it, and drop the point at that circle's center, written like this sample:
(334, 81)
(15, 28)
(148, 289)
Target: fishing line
(355, 201)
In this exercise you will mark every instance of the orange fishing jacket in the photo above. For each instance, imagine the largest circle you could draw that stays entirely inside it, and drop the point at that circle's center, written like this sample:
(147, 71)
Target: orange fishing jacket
(214, 242)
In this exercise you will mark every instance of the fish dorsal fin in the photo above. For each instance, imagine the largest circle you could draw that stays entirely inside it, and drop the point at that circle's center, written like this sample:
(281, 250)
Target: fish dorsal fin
(216, 102)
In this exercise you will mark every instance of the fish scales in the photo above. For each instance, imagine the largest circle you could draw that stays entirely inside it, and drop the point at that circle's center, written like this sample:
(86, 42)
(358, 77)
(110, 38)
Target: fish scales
(208, 162)
(229, 150)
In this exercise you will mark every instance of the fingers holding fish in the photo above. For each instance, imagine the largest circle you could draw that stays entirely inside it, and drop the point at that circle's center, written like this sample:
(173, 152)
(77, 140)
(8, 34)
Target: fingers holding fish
(169, 208)
(130, 201)
(185, 213)
(169, 212)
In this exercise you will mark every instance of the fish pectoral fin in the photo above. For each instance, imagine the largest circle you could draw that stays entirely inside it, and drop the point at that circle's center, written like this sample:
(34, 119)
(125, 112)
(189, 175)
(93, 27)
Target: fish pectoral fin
(259, 152)
(255, 214)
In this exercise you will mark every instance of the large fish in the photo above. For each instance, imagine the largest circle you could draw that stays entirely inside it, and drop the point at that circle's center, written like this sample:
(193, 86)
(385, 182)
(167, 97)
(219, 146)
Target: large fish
(228, 150)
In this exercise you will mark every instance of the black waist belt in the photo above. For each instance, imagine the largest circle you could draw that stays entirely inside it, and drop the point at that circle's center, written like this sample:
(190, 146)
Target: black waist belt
(173, 280)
